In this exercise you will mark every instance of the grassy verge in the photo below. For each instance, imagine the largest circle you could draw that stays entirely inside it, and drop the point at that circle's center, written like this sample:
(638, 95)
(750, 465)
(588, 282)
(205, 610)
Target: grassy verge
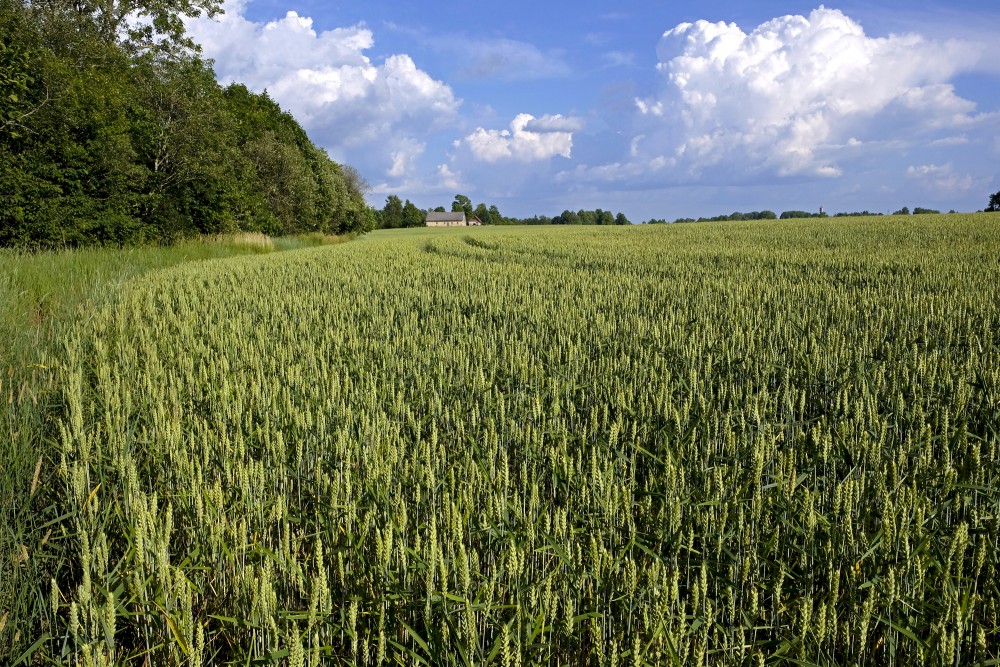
(41, 295)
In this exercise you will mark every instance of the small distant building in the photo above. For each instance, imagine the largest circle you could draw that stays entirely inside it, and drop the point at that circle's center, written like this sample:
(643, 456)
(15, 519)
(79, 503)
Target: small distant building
(452, 219)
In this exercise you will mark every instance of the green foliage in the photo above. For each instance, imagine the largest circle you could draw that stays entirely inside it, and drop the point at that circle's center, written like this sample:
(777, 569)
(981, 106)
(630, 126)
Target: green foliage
(413, 216)
(392, 213)
(994, 204)
(903, 211)
(395, 214)
(15, 75)
(107, 145)
(584, 217)
(799, 215)
(483, 213)
(133, 25)
(754, 215)
(858, 214)
(730, 445)
(462, 204)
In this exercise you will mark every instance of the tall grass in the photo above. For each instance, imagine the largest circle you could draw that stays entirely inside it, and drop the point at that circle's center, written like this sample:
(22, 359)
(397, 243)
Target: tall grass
(42, 296)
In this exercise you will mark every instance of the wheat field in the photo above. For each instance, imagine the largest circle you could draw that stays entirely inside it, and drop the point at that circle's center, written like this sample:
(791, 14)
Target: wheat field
(716, 444)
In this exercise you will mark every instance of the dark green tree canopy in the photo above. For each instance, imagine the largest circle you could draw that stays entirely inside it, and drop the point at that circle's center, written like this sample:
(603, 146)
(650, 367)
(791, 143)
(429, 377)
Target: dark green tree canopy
(392, 213)
(994, 204)
(413, 216)
(106, 138)
(462, 204)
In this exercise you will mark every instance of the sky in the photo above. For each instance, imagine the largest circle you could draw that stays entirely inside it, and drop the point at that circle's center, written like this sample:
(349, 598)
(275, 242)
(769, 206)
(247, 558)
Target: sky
(660, 110)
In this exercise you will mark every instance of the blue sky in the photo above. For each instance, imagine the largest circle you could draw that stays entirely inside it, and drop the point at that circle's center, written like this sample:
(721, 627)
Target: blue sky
(656, 109)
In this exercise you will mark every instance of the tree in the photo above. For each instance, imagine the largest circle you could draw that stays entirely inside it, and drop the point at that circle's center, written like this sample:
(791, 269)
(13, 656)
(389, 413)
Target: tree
(603, 217)
(494, 216)
(137, 25)
(114, 131)
(15, 72)
(184, 141)
(483, 214)
(994, 204)
(392, 212)
(903, 211)
(620, 219)
(462, 204)
(567, 217)
(413, 216)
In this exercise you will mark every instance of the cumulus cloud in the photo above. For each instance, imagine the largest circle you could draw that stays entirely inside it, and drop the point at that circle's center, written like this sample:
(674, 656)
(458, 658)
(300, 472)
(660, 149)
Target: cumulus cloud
(449, 179)
(786, 96)
(404, 157)
(555, 123)
(943, 180)
(529, 139)
(326, 80)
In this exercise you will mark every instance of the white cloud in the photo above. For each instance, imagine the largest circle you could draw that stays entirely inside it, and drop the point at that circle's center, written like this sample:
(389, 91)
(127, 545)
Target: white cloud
(619, 59)
(404, 157)
(529, 139)
(507, 60)
(324, 78)
(928, 170)
(787, 96)
(555, 123)
(942, 179)
(449, 180)
(957, 140)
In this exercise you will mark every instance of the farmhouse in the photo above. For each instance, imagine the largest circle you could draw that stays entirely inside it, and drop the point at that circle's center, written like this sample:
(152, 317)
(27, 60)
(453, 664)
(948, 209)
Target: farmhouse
(453, 219)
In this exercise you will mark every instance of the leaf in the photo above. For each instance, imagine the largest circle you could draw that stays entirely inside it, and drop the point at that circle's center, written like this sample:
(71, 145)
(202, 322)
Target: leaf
(416, 638)
(91, 496)
(906, 632)
(173, 629)
(23, 659)
(410, 651)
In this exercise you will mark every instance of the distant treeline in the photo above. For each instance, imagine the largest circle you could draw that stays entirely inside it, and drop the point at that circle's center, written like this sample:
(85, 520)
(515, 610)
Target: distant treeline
(397, 214)
(753, 215)
(789, 215)
(119, 135)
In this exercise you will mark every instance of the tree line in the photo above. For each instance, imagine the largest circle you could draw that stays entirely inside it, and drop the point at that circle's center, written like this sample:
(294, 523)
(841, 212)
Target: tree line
(118, 133)
(396, 214)
(994, 205)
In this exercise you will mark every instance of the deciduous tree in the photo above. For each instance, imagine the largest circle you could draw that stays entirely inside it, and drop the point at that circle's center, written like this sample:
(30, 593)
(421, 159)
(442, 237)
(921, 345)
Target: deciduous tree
(413, 216)
(462, 204)
(392, 212)
(994, 204)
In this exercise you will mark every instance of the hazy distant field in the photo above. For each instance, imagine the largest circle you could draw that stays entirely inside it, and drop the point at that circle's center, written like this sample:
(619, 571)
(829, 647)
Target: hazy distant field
(720, 444)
